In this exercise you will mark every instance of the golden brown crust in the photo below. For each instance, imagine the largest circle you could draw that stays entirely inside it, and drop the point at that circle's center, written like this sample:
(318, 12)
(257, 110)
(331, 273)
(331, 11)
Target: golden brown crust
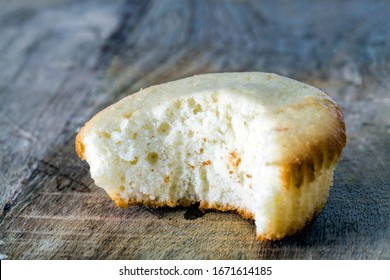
(310, 159)
(80, 149)
(203, 205)
(146, 201)
(245, 213)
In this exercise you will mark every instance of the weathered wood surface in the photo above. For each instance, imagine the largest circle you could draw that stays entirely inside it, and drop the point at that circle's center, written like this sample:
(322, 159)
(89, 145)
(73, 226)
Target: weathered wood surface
(62, 61)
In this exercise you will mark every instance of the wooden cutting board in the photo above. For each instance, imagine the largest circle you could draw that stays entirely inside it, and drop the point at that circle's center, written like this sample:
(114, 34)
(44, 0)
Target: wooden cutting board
(62, 61)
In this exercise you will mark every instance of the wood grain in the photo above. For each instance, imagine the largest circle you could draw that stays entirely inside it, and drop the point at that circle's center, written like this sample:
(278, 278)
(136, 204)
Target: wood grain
(62, 61)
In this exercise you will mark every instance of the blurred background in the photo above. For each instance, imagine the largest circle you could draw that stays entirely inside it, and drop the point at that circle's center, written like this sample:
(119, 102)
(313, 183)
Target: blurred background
(61, 61)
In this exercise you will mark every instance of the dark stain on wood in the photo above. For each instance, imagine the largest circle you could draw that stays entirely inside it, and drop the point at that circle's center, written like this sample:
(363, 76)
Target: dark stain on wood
(193, 212)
